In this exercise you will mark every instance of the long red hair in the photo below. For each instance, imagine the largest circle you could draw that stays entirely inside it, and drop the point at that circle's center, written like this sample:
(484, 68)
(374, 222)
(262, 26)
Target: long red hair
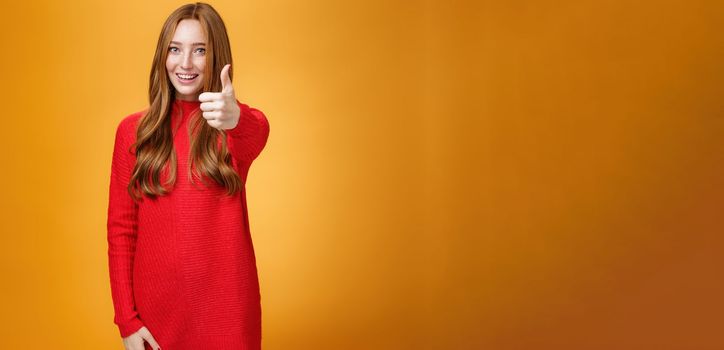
(154, 140)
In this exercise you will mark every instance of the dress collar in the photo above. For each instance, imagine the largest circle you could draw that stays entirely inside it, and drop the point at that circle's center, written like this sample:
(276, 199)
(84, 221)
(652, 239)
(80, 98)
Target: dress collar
(187, 105)
(184, 107)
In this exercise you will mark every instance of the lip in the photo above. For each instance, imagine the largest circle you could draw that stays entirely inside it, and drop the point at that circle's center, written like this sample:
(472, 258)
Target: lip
(186, 81)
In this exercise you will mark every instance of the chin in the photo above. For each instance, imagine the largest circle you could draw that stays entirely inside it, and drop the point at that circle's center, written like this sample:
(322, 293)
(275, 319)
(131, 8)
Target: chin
(187, 91)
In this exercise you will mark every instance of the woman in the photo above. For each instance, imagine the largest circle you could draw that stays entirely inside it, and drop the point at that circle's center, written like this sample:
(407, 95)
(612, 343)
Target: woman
(182, 265)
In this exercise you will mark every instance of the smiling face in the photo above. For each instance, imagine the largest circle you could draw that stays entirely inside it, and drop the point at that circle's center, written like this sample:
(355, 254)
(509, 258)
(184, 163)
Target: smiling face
(187, 59)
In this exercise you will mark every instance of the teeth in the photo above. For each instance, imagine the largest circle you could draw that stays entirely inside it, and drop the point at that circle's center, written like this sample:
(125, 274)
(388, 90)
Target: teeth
(184, 76)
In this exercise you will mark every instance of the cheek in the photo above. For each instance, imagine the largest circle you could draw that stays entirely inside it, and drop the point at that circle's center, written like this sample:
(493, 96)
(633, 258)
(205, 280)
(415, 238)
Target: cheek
(171, 62)
(200, 63)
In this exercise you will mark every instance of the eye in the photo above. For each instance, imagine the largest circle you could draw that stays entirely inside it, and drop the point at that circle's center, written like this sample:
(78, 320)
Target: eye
(202, 50)
(172, 48)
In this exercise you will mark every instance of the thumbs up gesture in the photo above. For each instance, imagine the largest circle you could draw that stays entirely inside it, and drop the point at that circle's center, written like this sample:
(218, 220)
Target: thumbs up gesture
(220, 108)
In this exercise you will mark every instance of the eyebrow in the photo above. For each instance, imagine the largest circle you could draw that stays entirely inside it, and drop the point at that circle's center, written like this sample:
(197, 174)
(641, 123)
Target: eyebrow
(194, 44)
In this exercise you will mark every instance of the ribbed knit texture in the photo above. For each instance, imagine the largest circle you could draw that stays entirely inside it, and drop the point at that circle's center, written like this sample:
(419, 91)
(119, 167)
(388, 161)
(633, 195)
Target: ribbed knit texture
(183, 265)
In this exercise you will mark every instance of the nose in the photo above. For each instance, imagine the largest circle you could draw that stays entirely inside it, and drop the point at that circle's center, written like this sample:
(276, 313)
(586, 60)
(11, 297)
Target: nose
(186, 62)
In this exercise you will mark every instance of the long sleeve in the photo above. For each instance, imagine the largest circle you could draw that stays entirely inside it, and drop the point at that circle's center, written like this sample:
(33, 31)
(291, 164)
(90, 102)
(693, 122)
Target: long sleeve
(183, 265)
(249, 136)
(122, 230)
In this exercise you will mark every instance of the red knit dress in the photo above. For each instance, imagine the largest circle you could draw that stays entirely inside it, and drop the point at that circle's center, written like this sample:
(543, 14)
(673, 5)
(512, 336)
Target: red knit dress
(183, 264)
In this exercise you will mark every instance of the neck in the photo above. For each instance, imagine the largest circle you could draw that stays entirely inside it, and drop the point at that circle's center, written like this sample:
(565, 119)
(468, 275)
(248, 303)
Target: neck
(187, 98)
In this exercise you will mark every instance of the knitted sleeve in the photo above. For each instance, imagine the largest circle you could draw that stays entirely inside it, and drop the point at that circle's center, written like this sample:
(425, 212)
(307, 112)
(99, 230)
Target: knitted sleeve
(249, 136)
(122, 226)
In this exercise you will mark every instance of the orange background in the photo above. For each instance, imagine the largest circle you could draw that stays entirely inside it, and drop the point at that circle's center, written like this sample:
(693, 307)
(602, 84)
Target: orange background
(439, 174)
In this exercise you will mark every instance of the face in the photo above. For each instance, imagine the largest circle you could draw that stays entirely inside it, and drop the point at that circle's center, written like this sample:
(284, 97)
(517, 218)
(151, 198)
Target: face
(187, 59)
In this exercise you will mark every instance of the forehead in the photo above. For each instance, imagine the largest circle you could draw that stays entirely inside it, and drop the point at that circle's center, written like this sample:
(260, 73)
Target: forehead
(189, 30)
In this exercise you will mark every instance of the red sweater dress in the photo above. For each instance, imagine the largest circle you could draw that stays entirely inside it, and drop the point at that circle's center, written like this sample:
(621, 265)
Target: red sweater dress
(183, 264)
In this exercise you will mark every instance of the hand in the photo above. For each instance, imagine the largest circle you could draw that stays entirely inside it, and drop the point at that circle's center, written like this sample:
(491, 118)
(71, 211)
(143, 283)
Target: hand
(220, 108)
(135, 340)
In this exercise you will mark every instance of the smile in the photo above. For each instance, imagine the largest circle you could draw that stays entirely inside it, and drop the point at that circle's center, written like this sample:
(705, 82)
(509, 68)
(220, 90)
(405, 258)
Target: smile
(186, 77)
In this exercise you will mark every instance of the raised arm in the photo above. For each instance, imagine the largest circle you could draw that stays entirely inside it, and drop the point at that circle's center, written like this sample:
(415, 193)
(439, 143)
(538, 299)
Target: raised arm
(248, 138)
(122, 226)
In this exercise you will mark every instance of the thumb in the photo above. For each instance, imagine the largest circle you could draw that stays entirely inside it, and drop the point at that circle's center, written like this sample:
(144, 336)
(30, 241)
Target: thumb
(225, 80)
(154, 345)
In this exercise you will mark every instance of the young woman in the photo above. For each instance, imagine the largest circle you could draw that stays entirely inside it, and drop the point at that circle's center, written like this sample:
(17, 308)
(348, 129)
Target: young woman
(182, 265)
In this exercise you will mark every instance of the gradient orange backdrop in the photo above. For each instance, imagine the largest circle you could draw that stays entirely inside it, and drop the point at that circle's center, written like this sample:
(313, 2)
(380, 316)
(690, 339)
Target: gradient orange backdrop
(439, 174)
